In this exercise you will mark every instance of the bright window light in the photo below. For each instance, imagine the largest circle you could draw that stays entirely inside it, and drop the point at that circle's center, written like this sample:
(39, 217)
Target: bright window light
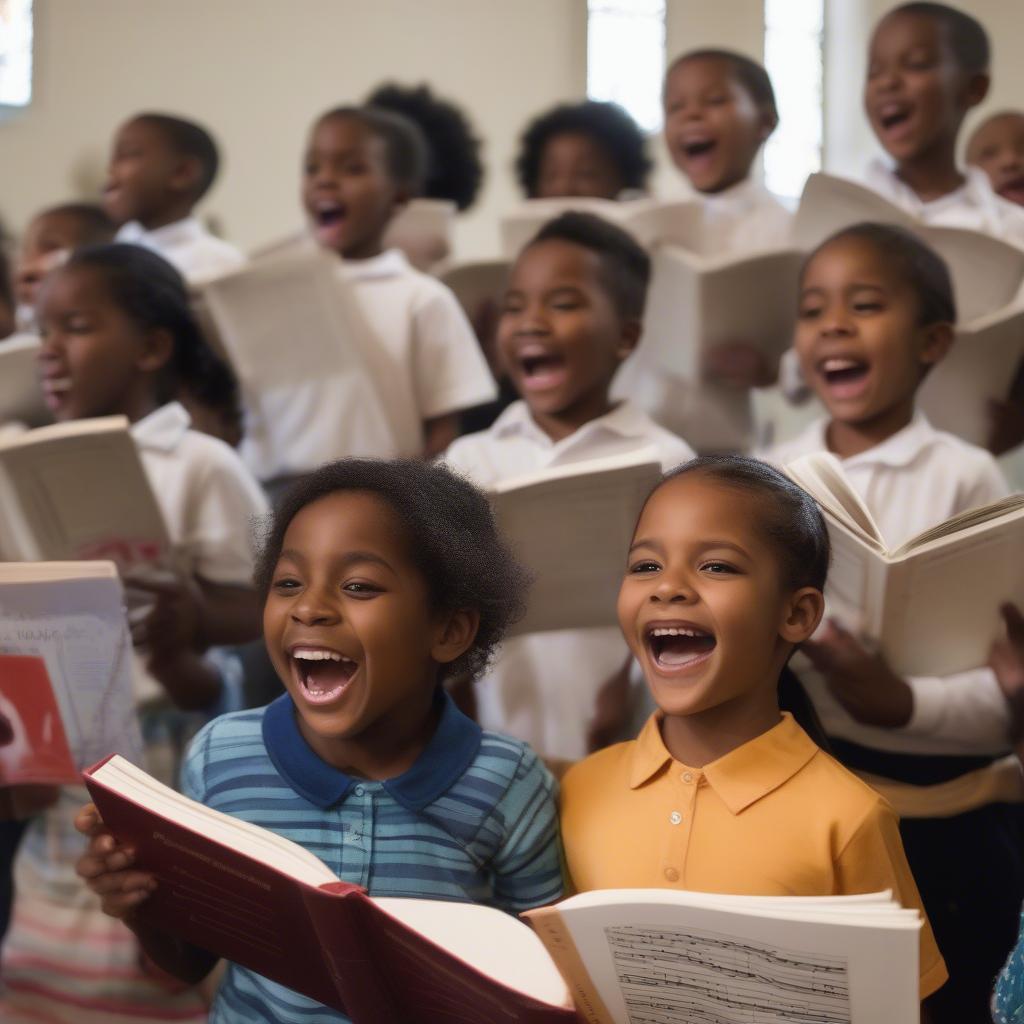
(626, 56)
(15, 53)
(793, 37)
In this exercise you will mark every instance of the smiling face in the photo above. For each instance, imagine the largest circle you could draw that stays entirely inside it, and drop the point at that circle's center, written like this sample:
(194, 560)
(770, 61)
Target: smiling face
(147, 180)
(574, 164)
(350, 628)
(703, 606)
(860, 343)
(560, 336)
(997, 147)
(95, 360)
(347, 189)
(916, 93)
(713, 126)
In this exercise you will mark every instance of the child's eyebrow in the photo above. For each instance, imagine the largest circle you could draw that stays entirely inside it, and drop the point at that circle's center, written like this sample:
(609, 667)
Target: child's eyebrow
(720, 543)
(644, 542)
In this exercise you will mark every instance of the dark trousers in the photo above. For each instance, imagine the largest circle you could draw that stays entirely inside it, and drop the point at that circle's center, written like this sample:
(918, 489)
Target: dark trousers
(970, 872)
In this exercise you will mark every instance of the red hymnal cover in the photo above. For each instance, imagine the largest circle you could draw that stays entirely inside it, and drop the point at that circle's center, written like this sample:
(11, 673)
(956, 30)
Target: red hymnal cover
(33, 746)
(330, 942)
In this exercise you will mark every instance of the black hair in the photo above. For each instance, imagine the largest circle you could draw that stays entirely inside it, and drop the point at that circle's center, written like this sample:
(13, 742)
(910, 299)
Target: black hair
(454, 168)
(6, 282)
(452, 538)
(625, 266)
(405, 147)
(968, 40)
(191, 140)
(751, 75)
(217, 387)
(607, 124)
(152, 293)
(94, 225)
(791, 520)
(920, 266)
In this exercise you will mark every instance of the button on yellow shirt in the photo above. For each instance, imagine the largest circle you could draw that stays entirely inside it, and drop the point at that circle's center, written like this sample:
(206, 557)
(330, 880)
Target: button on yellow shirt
(775, 817)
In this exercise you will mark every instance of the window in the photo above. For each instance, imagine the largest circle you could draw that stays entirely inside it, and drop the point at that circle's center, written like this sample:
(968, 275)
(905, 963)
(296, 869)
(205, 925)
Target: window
(793, 39)
(15, 53)
(626, 56)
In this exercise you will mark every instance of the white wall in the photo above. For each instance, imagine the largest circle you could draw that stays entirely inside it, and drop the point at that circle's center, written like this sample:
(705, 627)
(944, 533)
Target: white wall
(258, 71)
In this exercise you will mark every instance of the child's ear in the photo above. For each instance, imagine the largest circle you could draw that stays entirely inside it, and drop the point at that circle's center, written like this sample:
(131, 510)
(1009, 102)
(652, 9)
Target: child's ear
(769, 122)
(802, 615)
(938, 338)
(976, 89)
(158, 350)
(187, 175)
(456, 633)
(629, 338)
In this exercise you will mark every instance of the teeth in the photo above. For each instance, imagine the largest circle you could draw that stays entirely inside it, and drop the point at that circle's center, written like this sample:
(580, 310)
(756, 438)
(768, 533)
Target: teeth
(57, 384)
(673, 631)
(309, 654)
(832, 365)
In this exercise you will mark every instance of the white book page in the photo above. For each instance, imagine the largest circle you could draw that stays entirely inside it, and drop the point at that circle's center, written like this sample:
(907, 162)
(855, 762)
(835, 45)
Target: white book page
(822, 476)
(493, 942)
(21, 398)
(78, 626)
(672, 315)
(829, 204)
(664, 964)
(477, 283)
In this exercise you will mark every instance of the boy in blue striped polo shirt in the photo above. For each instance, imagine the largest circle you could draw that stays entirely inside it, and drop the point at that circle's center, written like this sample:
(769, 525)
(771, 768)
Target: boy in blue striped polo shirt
(380, 580)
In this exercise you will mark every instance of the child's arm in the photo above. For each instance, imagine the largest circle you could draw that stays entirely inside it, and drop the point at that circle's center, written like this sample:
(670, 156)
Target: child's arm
(106, 867)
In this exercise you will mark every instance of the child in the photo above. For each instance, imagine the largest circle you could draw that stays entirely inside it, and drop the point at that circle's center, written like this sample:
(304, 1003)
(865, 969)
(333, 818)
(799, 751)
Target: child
(571, 314)
(366, 760)
(48, 240)
(927, 67)
(876, 313)
(719, 111)
(997, 148)
(119, 339)
(160, 167)
(361, 166)
(583, 149)
(722, 792)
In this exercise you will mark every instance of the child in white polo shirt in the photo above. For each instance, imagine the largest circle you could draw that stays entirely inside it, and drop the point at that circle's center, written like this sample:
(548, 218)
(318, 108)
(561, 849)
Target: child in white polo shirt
(571, 315)
(876, 313)
(160, 168)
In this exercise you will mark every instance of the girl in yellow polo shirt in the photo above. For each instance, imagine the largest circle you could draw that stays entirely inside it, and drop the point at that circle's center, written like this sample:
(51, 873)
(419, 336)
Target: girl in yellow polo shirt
(722, 791)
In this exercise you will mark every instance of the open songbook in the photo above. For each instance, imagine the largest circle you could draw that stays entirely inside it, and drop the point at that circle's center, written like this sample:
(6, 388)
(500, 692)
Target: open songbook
(65, 671)
(696, 302)
(649, 221)
(987, 272)
(21, 398)
(932, 603)
(475, 284)
(571, 526)
(422, 229)
(610, 957)
(979, 369)
(78, 490)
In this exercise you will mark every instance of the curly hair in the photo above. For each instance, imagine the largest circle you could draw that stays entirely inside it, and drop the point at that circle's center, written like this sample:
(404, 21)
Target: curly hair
(454, 168)
(607, 124)
(452, 538)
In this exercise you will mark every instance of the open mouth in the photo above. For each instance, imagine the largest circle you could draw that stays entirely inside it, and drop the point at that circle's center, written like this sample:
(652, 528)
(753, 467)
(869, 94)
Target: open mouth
(844, 375)
(696, 148)
(676, 647)
(893, 115)
(541, 368)
(55, 391)
(1013, 190)
(322, 674)
(329, 214)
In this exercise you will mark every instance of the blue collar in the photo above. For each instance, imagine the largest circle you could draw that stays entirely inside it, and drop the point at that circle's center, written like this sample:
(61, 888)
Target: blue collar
(445, 759)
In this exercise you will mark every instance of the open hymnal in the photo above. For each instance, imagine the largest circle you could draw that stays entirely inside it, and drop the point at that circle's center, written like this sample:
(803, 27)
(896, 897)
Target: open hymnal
(696, 302)
(65, 670)
(987, 272)
(291, 321)
(979, 369)
(422, 229)
(932, 603)
(78, 490)
(571, 527)
(21, 398)
(476, 284)
(649, 221)
(609, 957)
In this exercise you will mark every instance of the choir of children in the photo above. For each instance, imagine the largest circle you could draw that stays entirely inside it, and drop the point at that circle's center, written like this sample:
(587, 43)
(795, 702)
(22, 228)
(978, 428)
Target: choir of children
(387, 589)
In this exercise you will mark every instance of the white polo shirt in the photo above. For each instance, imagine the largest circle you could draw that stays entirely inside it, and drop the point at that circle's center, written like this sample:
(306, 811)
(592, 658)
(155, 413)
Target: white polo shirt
(745, 218)
(914, 480)
(188, 246)
(542, 687)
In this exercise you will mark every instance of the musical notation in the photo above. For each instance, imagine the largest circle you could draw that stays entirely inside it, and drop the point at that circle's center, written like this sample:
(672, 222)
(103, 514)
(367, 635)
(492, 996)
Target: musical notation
(690, 976)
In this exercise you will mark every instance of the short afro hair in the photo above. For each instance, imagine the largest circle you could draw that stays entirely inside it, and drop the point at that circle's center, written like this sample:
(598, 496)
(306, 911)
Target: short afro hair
(607, 124)
(967, 38)
(913, 260)
(750, 75)
(190, 140)
(791, 520)
(625, 266)
(454, 168)
(92, 224)
(405, 148)
(452, 537)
